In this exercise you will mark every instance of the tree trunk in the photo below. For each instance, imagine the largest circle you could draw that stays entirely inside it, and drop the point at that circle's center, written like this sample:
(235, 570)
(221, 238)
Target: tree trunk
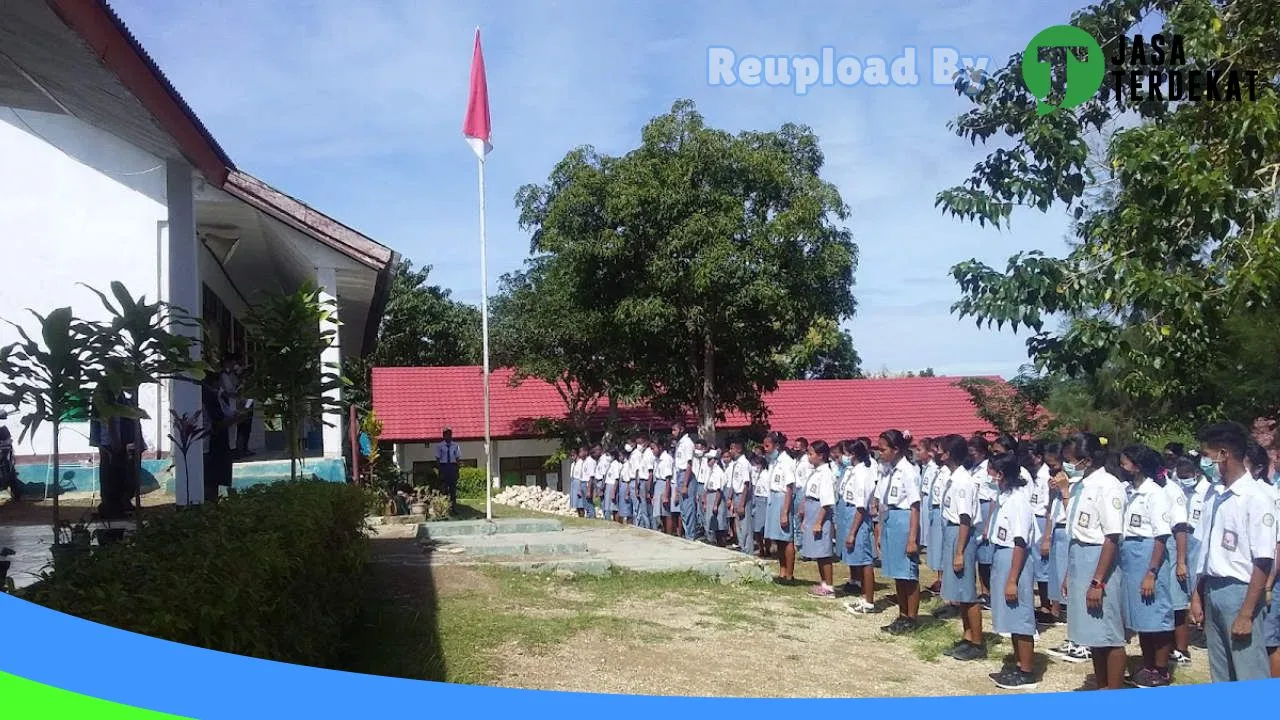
(707, 398)
(57, 484)
(611, 422)
(291, 435)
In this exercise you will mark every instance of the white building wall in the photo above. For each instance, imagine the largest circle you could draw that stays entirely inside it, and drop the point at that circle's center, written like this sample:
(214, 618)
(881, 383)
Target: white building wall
(63, 222)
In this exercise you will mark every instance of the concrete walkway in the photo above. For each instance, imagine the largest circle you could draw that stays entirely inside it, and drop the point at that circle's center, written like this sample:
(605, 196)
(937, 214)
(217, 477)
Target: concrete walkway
(545, 545)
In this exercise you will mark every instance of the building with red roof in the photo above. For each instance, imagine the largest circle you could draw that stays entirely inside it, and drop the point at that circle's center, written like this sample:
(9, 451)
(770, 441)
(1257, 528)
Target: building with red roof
(416, 404)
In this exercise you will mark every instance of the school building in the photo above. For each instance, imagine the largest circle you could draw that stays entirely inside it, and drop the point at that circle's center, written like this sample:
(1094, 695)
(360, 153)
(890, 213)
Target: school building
(416, 404)
(108, 175)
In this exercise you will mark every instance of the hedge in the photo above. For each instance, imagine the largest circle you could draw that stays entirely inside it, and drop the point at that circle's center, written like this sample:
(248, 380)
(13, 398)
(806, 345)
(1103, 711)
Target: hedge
(470, 482)
(274, 572)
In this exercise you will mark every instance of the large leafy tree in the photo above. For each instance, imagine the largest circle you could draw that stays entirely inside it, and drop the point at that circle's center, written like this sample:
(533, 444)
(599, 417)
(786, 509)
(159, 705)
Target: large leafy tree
(709, 256)
(1175, 206)
(825, 353)
(422, 326)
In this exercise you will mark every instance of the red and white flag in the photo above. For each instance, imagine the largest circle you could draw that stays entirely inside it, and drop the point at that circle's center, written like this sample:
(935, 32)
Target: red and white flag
(476, 126)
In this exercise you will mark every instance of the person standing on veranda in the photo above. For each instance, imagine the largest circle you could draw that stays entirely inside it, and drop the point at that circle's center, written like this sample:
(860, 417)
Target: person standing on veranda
(448, 457)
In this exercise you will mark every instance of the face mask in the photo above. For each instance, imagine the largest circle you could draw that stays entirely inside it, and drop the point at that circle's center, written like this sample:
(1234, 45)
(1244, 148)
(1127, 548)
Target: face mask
(1071, 471)
(774, 455)
(698, 454)
(628, 447)
(846, 461)
(1210, 469)
(1188, 482)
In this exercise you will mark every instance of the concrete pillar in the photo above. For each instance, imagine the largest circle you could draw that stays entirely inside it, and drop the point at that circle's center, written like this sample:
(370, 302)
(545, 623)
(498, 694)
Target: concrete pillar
(185, 291)
(327, 280)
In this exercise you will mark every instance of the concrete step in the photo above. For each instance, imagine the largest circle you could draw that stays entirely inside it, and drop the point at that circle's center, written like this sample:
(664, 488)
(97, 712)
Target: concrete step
(564, 566)
(440, 529)
(507, 545)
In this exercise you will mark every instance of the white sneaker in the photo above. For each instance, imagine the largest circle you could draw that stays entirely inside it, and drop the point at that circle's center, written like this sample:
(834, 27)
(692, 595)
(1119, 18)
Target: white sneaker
(1078, 654)
(1061, 651)
(859, 606)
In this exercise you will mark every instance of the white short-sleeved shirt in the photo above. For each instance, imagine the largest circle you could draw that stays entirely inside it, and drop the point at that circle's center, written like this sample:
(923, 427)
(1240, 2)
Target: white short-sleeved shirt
(603, 465)
(1012, 519)
(1146, 512)
(782, 473)
(1195, 502)
(448, 453)
(1059, 505)
(928, 478)
(1096, 508)
(614, 473)
(821, 486)
(588, 470)
(575, 469)
(1038, 492)
(1237, 527)
(802, 469)
(1178, 515)
(715, 477)
(859, 486)
(987, 486)
(902, 488)
(960, 497)
(940, 486)
(739, 475)
(637, 463)
(761, 481)
(664, 467)
(684, 452)
(648, 463)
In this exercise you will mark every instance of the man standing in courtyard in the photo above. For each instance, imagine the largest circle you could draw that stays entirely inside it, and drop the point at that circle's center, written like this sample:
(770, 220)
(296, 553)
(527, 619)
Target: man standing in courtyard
(448, 455)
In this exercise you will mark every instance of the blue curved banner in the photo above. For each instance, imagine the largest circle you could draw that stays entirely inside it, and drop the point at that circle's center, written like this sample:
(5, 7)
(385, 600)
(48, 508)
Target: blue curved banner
(59, 651)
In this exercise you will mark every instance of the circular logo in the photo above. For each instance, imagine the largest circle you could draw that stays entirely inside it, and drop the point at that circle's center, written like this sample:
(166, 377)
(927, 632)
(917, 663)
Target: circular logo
(1082, 78)
(970, 81)
(1115, 503)
(1268, 520)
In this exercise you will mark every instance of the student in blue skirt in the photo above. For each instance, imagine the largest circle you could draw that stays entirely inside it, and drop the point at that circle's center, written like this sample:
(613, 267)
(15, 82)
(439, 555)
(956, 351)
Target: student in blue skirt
(663, 481)
(1145, 564)
(1038, 491)
(1094, 585)
(1258, 463)
(1013, 532)
(782, 492)
(593, 481)
(715, 515)
(611, 475)
(922, 454)
(1193, 485)
(960, 514)
(979, 458)
(816, 517)
(576, 472)
(743, 500)
(857, 543)
(1064, 478)
(1237, 532)
(937, 559)
(900, 531)
(843, 464)
(760, 482)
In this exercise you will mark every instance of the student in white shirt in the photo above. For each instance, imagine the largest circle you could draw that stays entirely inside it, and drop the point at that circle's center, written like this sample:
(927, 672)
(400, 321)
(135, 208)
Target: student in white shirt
(1012, 530)
(1193, 485)
(1038, 496)
(900, 531)
(611, 474)
(663, 485)
(1258, 462)
(961, 513)
(937, 557)
(979, 458)
(1094, 582)
(682, 504)
(803, 468)
(760, 486)
(743, 500)
(715, 511)
(575, 479)
(778, 525)
(1238, 534)
(816, 517)
(645, 482)
(587, 507)
(857, 543)
(448, 460)
(1145, 564)
(598, 488)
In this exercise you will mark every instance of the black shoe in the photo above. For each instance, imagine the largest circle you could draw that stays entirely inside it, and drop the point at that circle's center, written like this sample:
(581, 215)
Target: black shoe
(901, 626)
(1014, 679)
(946, 612)
(971, 652)
(985, 600)
(951, 651)
(1044, 617)
(852, 588)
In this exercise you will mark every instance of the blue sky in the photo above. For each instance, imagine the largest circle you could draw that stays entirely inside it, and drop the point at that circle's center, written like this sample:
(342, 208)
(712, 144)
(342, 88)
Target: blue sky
(356, 108)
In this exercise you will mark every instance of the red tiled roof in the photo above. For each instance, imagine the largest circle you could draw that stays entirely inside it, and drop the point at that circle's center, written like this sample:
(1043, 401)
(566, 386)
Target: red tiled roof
(416, 404)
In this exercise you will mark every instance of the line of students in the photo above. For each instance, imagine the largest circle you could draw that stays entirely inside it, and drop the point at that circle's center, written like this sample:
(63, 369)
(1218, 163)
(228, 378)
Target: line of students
(1117, 544)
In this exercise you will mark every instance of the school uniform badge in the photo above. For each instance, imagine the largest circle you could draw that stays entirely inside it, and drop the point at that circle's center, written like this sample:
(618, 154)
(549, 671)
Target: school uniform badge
(1001, 534)
(1083, 520)
(1268, 520)
(1135, 521)
(1229, 540)
(1115, 503)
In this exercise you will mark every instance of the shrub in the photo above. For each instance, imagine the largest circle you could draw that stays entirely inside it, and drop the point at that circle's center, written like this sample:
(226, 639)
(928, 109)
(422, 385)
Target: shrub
(470, 482)
(274, 572)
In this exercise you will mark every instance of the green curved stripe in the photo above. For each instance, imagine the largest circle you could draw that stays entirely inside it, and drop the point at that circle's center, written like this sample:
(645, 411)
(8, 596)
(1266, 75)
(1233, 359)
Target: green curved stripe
(24, 699)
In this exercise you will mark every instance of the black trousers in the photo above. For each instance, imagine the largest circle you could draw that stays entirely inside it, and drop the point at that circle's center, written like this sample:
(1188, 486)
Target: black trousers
(242, 433)
(449, 477)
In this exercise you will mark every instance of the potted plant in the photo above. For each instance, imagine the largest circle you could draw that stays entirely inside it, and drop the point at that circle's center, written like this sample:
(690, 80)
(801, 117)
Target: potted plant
(187, 430)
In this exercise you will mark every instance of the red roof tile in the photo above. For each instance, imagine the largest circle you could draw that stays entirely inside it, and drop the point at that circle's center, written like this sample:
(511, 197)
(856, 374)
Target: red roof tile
(416, 404)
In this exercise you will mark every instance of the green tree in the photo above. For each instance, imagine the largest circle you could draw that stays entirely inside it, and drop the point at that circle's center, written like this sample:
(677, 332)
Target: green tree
(826, 353)
(1176, 216)
(710, 255)
(422, 326)
(288, 379)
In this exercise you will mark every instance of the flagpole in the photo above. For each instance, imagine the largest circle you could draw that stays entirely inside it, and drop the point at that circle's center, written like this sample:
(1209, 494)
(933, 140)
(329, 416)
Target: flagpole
(484, 339)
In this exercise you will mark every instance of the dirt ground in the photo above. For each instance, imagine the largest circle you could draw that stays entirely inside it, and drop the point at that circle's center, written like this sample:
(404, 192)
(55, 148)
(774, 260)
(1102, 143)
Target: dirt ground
(682, 635)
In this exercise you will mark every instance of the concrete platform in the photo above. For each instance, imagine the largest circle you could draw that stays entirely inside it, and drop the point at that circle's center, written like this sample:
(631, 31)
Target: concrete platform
(507, 544)
(439, 529)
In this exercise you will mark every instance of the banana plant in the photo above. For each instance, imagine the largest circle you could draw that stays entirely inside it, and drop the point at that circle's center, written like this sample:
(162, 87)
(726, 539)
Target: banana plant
(287, 378)
(135, 346)
(48, 379)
